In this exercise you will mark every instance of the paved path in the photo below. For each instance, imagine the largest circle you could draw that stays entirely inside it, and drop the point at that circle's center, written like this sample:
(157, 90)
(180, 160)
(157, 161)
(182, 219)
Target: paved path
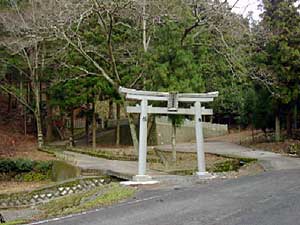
(121, 169)
(269, 160)
(127, 169)
(271, 198)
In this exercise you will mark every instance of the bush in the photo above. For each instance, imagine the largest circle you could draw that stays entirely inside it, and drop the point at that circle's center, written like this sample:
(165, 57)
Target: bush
(24, 165)
(7, 165)
(294, 149)
(43, 166)
(25, 169)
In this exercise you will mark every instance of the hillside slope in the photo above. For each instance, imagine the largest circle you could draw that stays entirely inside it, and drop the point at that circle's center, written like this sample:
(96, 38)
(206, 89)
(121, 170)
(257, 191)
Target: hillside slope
(13, 142)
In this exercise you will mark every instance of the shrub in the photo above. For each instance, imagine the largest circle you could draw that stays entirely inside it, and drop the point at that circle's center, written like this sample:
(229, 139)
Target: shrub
(7, 165)
(25, 169)
(24, 165)
(43, 166)
(294, 149)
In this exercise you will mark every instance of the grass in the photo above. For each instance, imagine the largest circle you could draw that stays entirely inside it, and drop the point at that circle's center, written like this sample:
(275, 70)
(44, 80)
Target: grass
(101, 196)
(15, 222)
(186, 163)
(226, 166)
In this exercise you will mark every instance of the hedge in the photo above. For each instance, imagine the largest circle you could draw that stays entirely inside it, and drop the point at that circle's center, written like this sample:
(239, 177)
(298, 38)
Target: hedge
(24, 166)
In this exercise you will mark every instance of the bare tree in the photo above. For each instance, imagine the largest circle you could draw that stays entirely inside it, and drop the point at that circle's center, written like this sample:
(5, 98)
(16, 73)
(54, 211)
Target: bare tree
(26, 29)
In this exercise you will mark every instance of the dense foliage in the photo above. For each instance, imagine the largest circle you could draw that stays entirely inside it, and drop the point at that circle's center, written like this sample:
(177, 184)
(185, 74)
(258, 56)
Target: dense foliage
(25, 170)
(83, 53)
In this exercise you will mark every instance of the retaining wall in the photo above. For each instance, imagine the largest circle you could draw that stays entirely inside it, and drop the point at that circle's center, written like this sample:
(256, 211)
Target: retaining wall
(29, 198)
(161, 132)
(186, 132)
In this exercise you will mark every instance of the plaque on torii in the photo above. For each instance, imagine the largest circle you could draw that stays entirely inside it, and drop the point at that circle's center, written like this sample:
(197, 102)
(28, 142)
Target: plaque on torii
(173, 99)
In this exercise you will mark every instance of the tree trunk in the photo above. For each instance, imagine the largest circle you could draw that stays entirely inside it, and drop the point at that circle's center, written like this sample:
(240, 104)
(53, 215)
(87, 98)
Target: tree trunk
(133, 134)
(252, 132)
(9, 104)
(111, 110)
(277, 128)
(37, 92)
(38, 116)
(72, 128)
(94, 127)
(87, 135)
(25, 111)
(289, 118)
(144, 25)
(240, 135)
(295, 116)
(173, 139)
(151, 125)
(23, 107)
(118, 130)
(49, 134)
(25, 121)
(132, 128)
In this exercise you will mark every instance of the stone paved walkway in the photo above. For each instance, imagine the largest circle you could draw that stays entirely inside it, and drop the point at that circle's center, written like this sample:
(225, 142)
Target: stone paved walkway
(269, 160)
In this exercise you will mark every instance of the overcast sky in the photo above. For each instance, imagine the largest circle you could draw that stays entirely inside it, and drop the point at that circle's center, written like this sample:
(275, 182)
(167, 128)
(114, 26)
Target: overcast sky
(245, 6)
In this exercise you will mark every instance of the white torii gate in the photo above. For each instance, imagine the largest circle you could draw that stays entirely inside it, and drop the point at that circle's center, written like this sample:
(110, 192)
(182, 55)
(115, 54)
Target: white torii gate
(173, 99)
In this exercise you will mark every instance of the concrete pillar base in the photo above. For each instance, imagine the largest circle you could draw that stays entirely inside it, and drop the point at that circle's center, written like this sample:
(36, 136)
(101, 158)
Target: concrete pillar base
(141, 178)
(205, 175)
(135, 183)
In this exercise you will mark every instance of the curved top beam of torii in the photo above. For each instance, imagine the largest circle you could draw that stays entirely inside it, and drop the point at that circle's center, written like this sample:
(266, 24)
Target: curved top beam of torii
(165, 96)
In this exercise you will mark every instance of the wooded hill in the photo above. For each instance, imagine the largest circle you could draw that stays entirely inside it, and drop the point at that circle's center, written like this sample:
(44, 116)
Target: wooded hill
(58, 57)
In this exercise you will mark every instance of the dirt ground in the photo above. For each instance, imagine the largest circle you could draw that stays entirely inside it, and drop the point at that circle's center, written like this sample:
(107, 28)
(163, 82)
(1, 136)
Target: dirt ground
(234, 136)
(278, 147)
(245, 138)
(13, 142)
(16, 145)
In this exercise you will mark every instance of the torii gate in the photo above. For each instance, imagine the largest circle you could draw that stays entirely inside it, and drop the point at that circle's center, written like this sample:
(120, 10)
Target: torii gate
(173, 99)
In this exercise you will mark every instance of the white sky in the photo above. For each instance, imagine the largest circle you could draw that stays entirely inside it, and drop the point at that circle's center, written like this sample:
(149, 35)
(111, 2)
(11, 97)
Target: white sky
(245, 6)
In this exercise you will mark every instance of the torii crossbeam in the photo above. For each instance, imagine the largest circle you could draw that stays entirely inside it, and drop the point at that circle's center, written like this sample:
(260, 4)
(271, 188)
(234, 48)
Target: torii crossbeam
(173, 100)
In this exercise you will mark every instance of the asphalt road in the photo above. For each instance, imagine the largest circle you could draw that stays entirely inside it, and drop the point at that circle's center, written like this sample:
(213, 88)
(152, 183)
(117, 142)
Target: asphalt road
(271, 198)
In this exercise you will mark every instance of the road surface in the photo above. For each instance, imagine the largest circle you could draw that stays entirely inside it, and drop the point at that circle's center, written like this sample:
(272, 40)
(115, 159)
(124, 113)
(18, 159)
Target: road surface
(271, 198)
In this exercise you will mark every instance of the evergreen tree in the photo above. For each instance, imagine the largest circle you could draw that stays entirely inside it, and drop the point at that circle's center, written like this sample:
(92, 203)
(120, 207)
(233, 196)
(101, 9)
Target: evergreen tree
(279, 51)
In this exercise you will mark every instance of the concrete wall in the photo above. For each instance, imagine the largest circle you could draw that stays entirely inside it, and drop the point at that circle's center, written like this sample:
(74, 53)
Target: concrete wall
(186, 132)
(161, 132)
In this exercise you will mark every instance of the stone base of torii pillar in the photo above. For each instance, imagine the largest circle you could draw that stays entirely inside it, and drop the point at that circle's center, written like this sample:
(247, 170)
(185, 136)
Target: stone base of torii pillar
(205, 175)
(140, 180)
